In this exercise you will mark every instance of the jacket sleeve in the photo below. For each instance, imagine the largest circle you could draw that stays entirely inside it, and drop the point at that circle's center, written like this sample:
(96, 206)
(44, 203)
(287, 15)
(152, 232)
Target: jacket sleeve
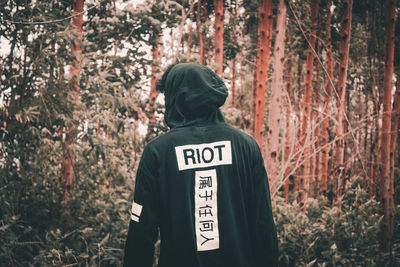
(266, 240)
(143, 227)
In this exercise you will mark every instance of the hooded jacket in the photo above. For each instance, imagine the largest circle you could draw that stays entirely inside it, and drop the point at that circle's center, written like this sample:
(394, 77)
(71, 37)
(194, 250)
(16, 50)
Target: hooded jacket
(202, 185)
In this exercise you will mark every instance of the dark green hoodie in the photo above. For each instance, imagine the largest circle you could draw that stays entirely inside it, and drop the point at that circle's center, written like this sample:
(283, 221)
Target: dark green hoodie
(203, 185)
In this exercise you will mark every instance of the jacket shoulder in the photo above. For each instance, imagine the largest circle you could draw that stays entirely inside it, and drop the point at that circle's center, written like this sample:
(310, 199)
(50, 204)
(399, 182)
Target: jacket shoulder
(243, 136)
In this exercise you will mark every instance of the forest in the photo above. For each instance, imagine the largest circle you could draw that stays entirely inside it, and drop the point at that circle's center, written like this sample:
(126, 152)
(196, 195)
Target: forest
(316, 83)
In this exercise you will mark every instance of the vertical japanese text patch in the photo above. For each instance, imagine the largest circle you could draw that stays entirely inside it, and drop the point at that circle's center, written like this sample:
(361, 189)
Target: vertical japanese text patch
(204, 155)
(206, 210)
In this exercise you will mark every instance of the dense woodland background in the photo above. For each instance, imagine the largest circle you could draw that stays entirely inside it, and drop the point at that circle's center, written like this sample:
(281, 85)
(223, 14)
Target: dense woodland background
(317, 83)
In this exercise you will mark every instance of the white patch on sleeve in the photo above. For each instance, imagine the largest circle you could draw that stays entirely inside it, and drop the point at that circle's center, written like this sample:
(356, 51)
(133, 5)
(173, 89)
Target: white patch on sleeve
(136, 211)
(134, 218)
(206, 212)
(204, 155)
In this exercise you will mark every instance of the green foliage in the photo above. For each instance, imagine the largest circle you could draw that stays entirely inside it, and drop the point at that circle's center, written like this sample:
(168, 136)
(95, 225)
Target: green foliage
(396, 186)
(331, 236)
(396, 235)
(95, 235)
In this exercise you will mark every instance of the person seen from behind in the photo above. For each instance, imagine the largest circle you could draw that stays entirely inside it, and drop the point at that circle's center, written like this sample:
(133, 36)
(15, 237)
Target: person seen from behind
(202, 186)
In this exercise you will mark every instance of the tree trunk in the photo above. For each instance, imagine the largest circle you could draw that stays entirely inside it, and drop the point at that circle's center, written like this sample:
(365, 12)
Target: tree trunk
(264, 36)
(288, 114)
(395, 128)
(316, 170)
(307, 98)
(68, 157)
(181, 26)
(386, 184)
(154, 71)
(365, 110)
(376, 117)
(272, 146)
(297, 158)
(375, 144)
(219, 36)
(234, 40)
(311, 161)
(199, 33)
(233, 87)
(204, 19)
(345, 31)
(189, 42)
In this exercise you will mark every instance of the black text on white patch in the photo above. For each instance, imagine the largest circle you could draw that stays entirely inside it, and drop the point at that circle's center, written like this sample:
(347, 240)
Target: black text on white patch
(203, 155)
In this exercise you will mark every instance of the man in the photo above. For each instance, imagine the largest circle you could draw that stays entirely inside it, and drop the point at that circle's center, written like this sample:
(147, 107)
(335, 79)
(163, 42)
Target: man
(203, 184)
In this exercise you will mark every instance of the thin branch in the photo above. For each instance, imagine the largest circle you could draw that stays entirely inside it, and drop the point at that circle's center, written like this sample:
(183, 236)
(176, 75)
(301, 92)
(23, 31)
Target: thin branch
(45, 22)
(302, 160)
(331, 82)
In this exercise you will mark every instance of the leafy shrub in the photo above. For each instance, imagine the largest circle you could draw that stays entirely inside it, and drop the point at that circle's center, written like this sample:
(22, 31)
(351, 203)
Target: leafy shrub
(37, 229)
(97, 236)
(330, 236)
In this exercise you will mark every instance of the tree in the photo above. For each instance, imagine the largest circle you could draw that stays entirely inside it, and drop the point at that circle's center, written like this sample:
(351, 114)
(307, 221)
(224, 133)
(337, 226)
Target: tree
(219, 36)
(272, 146)
(184, 15)
(327, 97)
(395, 128)
(386, 192)
(155, 69)
(264, 35)
(315, 171)
(345, 33)
(68, 163)
(288, 114)
(234, 41)
(308, 91)
(199, 33)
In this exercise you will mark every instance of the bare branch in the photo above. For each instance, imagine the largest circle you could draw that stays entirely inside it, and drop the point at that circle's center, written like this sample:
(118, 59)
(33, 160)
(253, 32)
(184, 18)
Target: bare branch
(333, 86)
(45, 22)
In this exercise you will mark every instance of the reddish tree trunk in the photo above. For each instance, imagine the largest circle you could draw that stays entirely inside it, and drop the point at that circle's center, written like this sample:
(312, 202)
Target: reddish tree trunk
(386, 192)
(264, 36)
(288, 114)
(307, 97)
(311, 161)
(316, 170)
(234, 40)
(154, 70)
(375, 144)
(68, 158)
(296, 185)
(151, 107)
(272, 146)
(98, 126)
(233, 87)
(374, 158)
(395, 128)
(189, 42)
(219, 36)
(345, 31)
(366, 138)
(314, 122)
(199, 33)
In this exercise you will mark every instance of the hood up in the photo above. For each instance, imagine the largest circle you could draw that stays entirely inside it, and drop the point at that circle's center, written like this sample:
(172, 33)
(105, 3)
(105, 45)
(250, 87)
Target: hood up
(193, 94)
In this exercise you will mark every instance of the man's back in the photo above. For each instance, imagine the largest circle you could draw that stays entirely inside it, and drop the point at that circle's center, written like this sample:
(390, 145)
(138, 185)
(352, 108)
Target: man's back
(204, 185)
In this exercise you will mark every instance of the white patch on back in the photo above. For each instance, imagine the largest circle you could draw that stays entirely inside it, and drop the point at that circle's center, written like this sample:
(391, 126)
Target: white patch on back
(206, 210)
(203, 155)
